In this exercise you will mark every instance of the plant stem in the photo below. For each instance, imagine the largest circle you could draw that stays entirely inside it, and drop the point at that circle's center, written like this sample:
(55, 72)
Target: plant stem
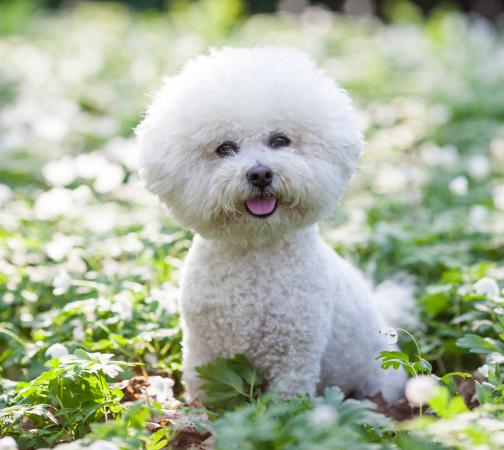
(414, 340)
(14, 336)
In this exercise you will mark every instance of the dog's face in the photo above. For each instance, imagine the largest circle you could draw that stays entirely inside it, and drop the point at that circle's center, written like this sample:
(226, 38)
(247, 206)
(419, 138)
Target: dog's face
(245, 144)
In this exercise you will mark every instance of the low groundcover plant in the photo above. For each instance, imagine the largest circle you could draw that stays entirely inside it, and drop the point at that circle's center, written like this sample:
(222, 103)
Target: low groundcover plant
(90, 343)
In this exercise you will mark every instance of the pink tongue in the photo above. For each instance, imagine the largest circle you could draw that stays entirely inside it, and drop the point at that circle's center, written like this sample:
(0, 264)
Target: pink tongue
(261, 205)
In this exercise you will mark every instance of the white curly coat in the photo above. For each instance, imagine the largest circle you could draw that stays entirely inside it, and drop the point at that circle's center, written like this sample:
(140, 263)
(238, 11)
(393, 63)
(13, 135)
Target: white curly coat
(266, 287)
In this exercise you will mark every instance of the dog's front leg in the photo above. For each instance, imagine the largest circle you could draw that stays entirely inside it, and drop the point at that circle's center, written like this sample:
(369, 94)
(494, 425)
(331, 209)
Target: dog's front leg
(289, 356)
(296, 372)
(288, 385)
(295, 380)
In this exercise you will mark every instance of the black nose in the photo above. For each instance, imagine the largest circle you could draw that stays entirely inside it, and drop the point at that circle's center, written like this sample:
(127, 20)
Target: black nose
(260, 176)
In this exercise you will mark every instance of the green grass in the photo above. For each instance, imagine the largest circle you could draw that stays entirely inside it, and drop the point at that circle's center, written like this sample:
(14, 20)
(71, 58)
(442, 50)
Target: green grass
(89, 262)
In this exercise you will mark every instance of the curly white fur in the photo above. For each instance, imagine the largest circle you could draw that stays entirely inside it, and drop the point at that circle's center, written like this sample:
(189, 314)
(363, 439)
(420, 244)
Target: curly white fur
(266, 287)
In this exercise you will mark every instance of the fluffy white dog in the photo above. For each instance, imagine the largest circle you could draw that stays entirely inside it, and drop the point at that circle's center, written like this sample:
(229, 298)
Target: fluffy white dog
(250, 147)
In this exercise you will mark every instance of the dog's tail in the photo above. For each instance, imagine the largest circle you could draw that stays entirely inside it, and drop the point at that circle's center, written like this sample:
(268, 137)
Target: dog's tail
(396, 301)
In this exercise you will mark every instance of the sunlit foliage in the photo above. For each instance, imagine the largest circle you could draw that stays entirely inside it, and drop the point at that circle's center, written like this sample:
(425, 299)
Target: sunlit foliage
(89, 261)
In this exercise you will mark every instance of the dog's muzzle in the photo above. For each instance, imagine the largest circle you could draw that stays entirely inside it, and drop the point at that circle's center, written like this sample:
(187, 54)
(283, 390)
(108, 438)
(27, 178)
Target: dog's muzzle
(260, 176)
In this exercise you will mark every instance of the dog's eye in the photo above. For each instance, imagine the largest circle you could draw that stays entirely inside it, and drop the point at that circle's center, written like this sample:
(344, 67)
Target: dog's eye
(226, 149)
(279, 141)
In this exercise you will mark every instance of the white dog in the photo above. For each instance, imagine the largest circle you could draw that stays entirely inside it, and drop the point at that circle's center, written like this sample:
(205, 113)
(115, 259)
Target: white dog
(250, 147)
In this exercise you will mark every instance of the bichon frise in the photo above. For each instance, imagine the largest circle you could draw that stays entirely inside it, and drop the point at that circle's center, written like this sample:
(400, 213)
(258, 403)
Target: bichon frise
(250, 147)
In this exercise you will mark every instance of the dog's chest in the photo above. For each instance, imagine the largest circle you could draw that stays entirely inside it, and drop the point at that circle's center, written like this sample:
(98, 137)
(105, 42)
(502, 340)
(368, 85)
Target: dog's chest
(252, 284)
(254, 294)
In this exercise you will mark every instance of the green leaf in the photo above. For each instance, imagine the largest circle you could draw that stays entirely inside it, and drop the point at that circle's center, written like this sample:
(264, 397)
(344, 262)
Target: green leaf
(436, 300)
(400, 356)
(446, 406)
(448, 376)
(416, 442)
(242, 366)
(221, 374)
(477, 344)
(423, 366)
(158, 440)
(229, 382)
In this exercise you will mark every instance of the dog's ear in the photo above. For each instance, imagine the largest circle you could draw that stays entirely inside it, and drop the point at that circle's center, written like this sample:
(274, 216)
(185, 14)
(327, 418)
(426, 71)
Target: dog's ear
(342, 132)
(157, 143)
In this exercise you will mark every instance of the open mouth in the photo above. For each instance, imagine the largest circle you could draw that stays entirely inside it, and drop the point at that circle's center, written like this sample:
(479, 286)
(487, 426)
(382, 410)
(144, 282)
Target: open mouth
(262, 206)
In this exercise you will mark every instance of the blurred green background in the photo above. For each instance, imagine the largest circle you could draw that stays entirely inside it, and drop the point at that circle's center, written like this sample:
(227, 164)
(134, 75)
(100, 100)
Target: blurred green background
(487, 8)
(88, 259)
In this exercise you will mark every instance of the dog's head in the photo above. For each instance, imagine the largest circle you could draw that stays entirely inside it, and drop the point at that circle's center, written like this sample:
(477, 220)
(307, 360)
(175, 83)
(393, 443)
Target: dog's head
(246, 143)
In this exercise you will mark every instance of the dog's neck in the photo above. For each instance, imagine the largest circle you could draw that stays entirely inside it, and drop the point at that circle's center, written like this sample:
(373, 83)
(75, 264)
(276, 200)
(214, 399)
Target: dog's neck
(303, 236)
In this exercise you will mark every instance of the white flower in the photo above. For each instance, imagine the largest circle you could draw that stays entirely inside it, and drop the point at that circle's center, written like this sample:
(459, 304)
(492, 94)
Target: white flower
(123, 305)
(479, 166)
(478, 216)
(25, 315)
(59, 247)
(50, 127)
(495, 358)
(5, 194)
(87, 165)
(61, 283)
(436, 156)
(454, 426)
(498, 439)
(498, 197)
(487, 287)
(56, 351)
(189, 44)
(103, 445)
(390, 179)
(8, 298)
(8, 443)
(29, 296)
(151, 359)
(483, 370)
(490, 424)
(391, 335)
(420, 389)
(459, 185)
(497, 148)
(75, 263)
(109, 177)
(131, 244)
(104, 126)
(124, 151)
(82, 194)
(323, 415)
(167, 298)
(102, 218)
(61, 172)
(74, 445)
(78, 332)
(50, 204)
(160, 388)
